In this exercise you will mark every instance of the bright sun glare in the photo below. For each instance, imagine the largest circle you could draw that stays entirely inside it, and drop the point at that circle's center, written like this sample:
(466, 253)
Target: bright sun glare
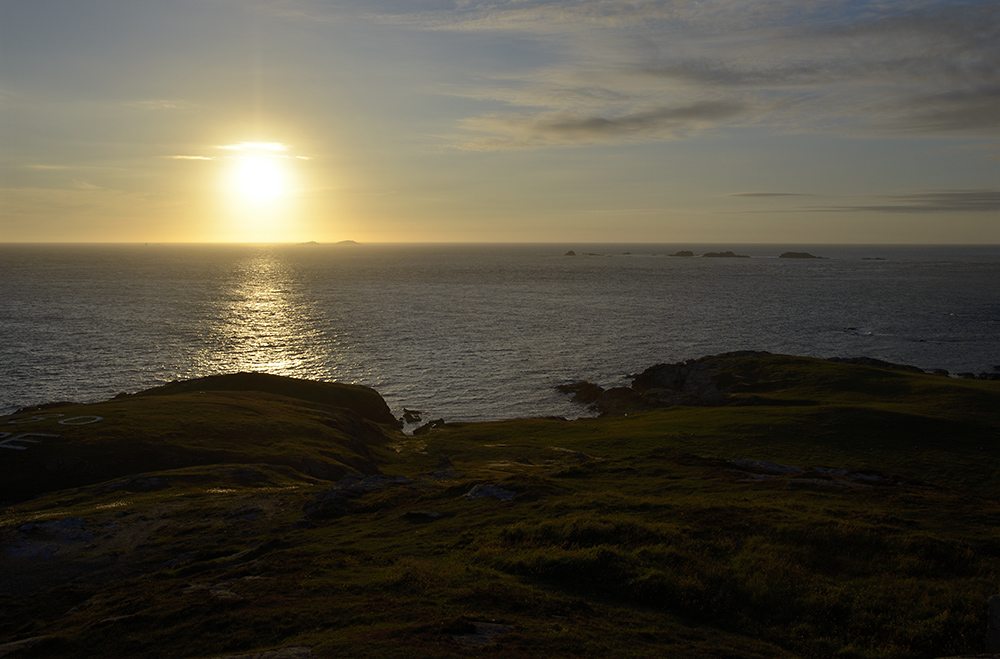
(259, 178)
(260, 187)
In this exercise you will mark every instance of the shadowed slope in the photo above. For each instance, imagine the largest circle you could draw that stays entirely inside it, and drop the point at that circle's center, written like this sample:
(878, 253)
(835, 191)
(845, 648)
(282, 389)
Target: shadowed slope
(323, 430)
(362, 400)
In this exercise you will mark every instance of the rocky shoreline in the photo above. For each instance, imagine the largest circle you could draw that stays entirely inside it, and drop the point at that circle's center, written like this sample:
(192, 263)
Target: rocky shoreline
(727, 379)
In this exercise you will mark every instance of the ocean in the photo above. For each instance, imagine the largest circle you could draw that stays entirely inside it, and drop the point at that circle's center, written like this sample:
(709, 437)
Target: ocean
(472, 332)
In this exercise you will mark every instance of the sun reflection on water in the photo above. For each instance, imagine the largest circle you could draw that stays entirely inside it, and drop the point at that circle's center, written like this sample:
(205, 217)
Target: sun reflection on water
(262, 323)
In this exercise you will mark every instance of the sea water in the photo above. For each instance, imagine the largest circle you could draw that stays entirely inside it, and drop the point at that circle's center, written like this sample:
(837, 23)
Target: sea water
(472, 332)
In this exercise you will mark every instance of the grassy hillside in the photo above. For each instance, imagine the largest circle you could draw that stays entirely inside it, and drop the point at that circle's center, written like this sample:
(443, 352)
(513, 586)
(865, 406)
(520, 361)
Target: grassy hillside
(804, 509)
(320, 429)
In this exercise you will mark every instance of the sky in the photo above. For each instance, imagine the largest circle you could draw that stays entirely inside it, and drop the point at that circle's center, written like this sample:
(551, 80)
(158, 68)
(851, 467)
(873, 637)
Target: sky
(663, 121)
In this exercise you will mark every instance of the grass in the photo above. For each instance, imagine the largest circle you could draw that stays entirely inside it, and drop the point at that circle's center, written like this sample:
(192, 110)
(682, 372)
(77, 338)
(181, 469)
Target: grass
(628, 537)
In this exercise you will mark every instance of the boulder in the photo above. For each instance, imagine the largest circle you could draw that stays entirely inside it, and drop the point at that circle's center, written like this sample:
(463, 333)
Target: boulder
(582, 391)
(411, 416)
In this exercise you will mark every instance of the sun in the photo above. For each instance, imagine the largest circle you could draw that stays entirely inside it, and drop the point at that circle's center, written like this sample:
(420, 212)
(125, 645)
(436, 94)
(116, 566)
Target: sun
(260, 188)
(259, 178)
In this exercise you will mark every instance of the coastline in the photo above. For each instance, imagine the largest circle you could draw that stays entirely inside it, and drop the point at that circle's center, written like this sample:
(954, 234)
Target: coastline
(753, 494)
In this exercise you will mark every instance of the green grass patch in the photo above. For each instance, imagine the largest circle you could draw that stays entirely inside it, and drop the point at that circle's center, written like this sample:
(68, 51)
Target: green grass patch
(182, 530)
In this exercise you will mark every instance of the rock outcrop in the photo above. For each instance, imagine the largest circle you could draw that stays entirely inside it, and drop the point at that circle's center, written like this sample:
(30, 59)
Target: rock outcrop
(729, 379)
(697, 382)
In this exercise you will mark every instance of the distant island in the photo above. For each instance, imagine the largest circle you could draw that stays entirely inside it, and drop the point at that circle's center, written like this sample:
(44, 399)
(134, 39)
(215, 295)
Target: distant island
(724, 255)
(732, 255)
(798, 255)
(342, 242)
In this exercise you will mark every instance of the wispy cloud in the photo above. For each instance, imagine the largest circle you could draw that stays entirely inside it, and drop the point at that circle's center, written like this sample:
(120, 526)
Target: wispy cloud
(767, 194)
(936, 201)
(254, 146)
(919, 201)
(84, 185)
(619, 70)
(160, 104)
(510, 131)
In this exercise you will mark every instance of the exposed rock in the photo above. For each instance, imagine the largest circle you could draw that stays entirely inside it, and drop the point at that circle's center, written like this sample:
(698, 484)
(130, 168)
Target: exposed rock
(699, 378)
(570, 253)
(491, 491)
(697, 382)
(619, 401)
(582, 391)
(683, 252)
(430, 425)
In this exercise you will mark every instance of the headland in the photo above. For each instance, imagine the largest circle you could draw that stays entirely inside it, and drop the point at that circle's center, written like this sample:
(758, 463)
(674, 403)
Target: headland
(741, 505)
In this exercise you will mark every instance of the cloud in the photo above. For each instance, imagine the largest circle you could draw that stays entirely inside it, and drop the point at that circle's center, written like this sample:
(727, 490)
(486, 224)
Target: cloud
(160, 104)
(563, 129)
(936, 201)
(254, 146)
(924, 201)
(84, 185)
(268, 149)
(617, 70)
(767, 194)
(971, 110)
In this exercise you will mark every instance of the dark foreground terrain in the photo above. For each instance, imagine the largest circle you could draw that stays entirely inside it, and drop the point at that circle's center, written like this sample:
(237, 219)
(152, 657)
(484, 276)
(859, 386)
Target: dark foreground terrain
(761, 506)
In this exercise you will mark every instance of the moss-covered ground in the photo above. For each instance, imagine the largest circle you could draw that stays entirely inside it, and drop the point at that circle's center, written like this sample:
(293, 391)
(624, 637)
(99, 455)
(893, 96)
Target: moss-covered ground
(849, 512)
